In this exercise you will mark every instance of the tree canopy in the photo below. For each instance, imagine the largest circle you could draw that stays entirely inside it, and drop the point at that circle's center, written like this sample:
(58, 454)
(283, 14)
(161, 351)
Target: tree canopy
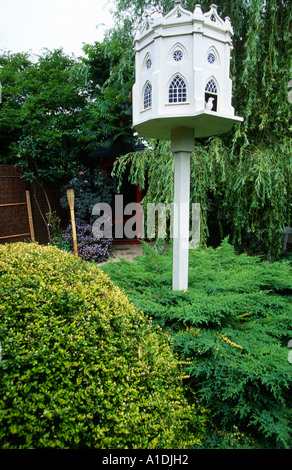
(110, 67)
(41, 110)
(58, 107)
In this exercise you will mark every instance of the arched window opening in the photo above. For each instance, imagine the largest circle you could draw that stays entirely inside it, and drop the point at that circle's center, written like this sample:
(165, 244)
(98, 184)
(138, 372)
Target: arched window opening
(148, 96)
(211, 96)
(177, 90)
(211, 86)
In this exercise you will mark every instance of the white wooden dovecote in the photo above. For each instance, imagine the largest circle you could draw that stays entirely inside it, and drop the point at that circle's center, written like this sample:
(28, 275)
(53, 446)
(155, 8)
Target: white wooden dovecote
(183, 91)
(183, 74)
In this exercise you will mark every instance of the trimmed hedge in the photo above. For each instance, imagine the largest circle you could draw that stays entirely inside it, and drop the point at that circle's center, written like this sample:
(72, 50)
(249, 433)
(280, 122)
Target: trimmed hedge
(81, 366)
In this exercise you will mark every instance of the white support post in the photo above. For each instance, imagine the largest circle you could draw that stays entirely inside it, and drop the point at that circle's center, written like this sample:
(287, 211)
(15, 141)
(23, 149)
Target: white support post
(182, 144)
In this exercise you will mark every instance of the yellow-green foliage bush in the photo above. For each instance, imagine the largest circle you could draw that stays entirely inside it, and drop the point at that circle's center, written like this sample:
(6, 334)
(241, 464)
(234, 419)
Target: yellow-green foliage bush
(81, 366)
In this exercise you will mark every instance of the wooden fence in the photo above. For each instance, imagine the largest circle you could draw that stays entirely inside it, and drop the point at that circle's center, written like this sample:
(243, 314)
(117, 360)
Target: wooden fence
(23, 206)
(30, 221)
(15, 208)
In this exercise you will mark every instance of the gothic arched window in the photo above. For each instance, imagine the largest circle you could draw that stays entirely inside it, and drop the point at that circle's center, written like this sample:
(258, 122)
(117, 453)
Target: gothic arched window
(177, 90)
(148, 96)
(211, 87)
(211, 95)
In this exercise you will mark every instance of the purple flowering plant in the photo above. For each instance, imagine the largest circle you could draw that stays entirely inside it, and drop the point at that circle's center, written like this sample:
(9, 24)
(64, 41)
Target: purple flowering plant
(91, 186)
(89, 246)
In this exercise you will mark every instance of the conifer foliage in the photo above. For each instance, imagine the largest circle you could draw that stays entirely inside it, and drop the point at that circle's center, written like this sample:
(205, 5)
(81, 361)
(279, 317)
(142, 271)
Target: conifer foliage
(231, 328)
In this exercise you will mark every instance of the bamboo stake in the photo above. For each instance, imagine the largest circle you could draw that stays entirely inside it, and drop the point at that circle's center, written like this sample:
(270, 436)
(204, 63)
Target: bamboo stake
(30, 220)
(15, 236)
(14, 204)
(70, 197)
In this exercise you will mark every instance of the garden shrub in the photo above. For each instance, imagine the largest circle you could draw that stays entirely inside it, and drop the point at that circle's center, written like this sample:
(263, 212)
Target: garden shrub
(81, 366)
(90, 187)
(233, 325)
(90, 246)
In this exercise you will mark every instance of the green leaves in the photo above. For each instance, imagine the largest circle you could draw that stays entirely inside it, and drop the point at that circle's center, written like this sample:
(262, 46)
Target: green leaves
(231, 328)
(111, 76)
(242, 179)
(244, 193)
(40, 110)
(82, 367)
(90, 187)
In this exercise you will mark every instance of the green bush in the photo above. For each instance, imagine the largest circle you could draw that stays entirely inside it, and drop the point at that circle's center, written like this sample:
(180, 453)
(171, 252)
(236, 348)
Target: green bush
(81, 366)
(90, 187)
(233, 324)
(91, 246)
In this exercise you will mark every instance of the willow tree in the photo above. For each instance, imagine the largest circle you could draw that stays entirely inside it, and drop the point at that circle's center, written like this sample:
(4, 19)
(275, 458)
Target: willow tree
(241, 179)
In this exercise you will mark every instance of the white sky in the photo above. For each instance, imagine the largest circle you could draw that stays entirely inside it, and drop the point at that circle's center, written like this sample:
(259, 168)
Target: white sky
(31, 25)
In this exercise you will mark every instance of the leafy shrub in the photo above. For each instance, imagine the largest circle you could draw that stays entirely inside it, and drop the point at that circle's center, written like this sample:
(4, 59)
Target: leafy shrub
(90, 187)
(233, 324)
(89, 246)
(81, 366)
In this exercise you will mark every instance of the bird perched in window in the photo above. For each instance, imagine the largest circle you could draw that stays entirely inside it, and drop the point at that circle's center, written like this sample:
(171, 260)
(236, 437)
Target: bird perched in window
(209, 104)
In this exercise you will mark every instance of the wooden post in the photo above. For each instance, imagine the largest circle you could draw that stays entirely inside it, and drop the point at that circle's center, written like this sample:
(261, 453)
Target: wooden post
(182, 144)
(30, 220)
(70, 197)
(139, 214)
